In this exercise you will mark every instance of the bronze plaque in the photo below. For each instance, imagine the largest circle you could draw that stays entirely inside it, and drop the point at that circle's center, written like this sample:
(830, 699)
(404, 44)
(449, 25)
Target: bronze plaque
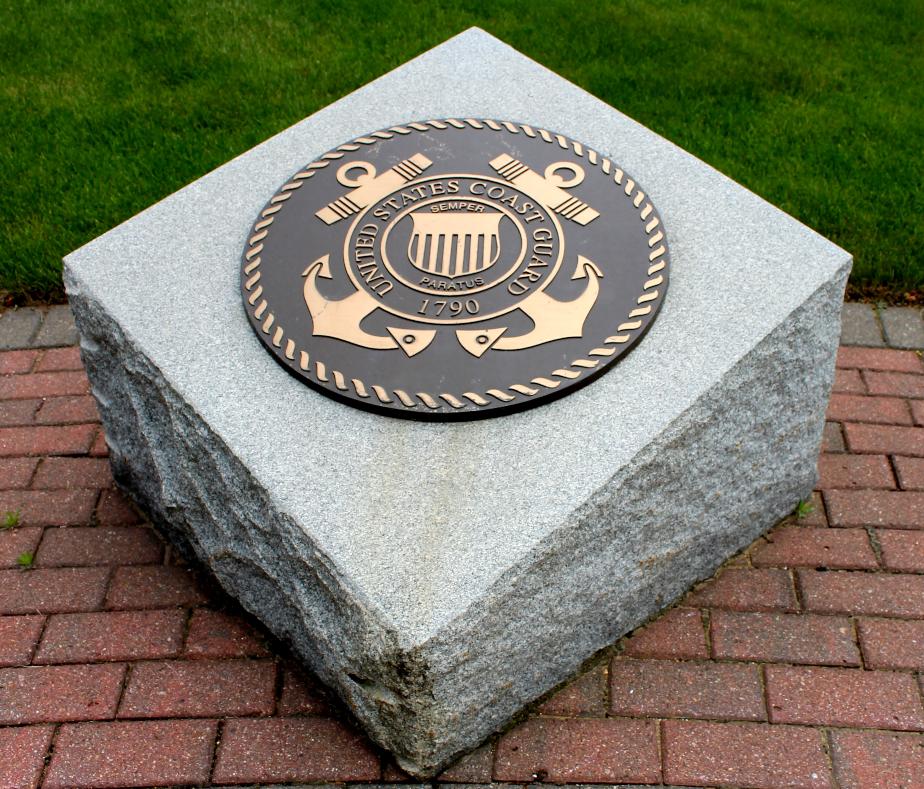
(454, 269)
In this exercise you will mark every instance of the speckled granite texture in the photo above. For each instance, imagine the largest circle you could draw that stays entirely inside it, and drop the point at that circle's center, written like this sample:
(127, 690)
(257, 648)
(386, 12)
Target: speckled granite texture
(441, 576)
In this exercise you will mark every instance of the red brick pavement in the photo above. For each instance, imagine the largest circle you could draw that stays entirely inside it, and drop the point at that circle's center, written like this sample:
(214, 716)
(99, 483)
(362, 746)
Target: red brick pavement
(799, 665)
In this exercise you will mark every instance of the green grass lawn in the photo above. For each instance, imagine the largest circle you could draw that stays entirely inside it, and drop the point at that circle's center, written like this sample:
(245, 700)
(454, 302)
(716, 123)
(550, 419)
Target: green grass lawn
(109, 105)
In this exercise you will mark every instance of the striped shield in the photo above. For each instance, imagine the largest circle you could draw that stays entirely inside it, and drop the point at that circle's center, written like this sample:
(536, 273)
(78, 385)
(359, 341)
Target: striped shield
(454, 244)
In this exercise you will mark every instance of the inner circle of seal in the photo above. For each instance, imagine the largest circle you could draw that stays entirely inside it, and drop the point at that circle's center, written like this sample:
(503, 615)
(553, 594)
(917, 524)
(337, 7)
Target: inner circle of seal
(507, 272)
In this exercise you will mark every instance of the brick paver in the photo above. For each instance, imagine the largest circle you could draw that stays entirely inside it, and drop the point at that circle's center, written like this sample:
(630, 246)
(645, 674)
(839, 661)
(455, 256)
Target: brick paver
(744, 754)
(832, 438)
(877, 410)
(18, 387)
(135, 753)
(67, 410)
(215, 634)
(199, 688)
(898, 509)
(747, 590)
(798, 664)
(474, 768)
(585, 695)
(17, 362)
(50, 507)
(18, 327)
(16, 472)
(57, 328)
(99, 545)
(849, 382)
(910, 472)
(153, 587)
(673, 689)
(605, 750)
(18, 637)
(300, 694)
(14, 542)
(57, 359)
(863, 593)
(115, 509)
(797, 546)
(39, 694)
(784, 638)
(892, 643)
(51, 591)
(293, 749)
(860, 326)
(111, 635)
(678, 633)
(844, 697)
(917, 411)
(878, 760)
(18, 413)
(894, 384)
(880, 359)
(76, 472)
(855, 471)
(902, 550)
(22, 755)
(884, 439)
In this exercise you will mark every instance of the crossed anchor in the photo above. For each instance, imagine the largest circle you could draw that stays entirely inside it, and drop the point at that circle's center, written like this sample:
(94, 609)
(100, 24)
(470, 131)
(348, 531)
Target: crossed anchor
(552, 319)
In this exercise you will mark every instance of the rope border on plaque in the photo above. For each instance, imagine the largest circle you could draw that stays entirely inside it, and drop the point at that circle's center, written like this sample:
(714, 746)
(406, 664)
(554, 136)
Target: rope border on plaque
(607, 347)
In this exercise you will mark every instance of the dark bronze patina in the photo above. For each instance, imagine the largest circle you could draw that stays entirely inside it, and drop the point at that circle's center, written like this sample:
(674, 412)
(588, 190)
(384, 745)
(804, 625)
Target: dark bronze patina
(454, 269)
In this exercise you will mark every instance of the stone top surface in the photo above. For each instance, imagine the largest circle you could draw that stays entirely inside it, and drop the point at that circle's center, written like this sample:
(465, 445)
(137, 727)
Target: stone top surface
(415, 516)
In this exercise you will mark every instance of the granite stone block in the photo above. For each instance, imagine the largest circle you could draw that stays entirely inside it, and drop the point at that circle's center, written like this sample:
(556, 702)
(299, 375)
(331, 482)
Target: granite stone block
(441, 576)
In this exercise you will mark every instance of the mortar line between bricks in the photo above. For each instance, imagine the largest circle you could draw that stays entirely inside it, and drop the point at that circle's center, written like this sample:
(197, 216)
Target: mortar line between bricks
(828, 748)
(35, 472)
(94, 517)
(110, 574)
(876, 546)
(764, 692)
(216, 742)
(176, 658)
(705, 621)
(824, 509)
(856, 640)
(760, 663)
(659, 731)
(494, 752)
(30, 343)
(46, 761)
(184, 635)
(38, 547)
(126, 676)
(894, 469)
(38, 641)
(796, 590)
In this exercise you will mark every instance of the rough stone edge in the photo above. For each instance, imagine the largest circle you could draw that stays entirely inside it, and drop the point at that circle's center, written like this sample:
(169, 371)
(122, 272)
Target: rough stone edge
(171, 481)
(618, 520)
(433, 687)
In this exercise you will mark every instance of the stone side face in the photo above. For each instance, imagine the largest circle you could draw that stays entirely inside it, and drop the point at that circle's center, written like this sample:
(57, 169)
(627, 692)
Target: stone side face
(722, 473)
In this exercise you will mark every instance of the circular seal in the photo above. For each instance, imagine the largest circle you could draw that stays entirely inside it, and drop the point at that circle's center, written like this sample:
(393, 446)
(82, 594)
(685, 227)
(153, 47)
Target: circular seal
(454, 269)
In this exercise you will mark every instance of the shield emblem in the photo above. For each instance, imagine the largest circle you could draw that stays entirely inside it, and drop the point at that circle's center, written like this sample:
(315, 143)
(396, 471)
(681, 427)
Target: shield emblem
(454, 244)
